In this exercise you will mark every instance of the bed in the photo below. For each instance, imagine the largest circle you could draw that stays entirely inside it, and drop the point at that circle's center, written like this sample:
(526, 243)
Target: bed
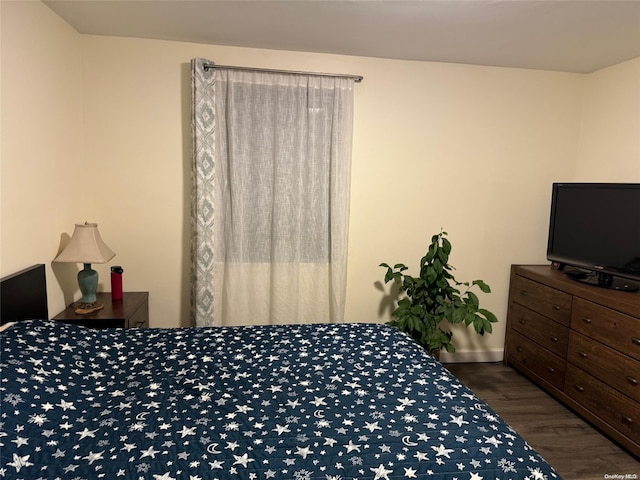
(300, 402)
(23, 295)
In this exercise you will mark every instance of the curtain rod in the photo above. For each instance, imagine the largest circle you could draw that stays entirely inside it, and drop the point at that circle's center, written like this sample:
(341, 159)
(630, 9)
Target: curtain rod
(356, 78)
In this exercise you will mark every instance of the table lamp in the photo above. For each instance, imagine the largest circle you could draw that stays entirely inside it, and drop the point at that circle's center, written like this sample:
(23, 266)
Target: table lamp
(86, 247)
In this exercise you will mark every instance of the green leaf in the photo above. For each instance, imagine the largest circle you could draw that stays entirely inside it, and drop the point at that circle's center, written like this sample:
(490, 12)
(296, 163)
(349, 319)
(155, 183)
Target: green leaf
(487, 325)
(458, 315)
(470, 318)
(430, 254)
(438, 266)
(483, 286)
(446, 246)
(388, 276)
(472, 300)
(431, 274)
(478, 325)
(404, 302)
(488, 315)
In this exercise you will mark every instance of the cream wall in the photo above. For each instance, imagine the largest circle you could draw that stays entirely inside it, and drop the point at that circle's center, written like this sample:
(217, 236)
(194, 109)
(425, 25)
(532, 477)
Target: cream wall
(609, 145)
(42, 160)
(471, 149)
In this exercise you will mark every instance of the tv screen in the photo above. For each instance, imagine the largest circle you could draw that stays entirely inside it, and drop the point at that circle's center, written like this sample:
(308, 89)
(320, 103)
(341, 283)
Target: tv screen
(596, 226)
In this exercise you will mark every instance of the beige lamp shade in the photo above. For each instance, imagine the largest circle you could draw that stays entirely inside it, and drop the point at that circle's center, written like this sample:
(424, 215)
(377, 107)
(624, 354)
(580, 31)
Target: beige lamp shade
(85, 246)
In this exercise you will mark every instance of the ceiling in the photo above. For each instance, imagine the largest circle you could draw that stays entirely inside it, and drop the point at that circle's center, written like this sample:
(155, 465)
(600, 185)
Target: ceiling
(562, 35)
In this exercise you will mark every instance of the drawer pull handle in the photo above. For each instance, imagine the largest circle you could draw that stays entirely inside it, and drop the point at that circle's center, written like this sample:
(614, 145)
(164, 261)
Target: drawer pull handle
(586, 319)
(579, 388)
(556, 307)
(519, 349)
(554, 338)
(551, 370)
(632, 380)
(627, 420)
(635, 340)
(583, 354)
(524, 293)
(523, 321)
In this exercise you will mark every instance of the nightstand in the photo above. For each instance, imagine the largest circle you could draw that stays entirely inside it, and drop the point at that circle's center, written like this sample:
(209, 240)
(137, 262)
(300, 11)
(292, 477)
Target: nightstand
(130, 312)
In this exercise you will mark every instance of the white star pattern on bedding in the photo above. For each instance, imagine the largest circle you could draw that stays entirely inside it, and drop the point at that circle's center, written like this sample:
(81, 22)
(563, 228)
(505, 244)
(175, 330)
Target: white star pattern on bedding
(304, 402)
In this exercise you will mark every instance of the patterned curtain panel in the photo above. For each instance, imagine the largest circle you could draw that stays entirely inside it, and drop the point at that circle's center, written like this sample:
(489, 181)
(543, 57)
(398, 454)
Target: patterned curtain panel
(271, 181)
(202, 192)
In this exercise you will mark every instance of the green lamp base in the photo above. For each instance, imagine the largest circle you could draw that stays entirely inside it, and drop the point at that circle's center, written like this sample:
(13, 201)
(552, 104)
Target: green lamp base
(88, 283)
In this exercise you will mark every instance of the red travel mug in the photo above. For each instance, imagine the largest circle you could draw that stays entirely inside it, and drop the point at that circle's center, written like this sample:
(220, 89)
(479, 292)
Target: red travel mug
(116, 282)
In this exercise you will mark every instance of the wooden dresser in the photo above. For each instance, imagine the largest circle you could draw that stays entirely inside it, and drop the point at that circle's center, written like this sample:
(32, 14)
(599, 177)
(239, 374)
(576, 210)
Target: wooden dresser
(580, 343)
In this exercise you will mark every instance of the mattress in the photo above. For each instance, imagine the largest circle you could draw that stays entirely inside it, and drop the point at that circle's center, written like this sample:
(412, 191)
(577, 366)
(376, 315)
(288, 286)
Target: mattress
(301, 402)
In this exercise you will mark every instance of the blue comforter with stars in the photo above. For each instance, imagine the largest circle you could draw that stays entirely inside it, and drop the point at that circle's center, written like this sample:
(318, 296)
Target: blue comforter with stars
(299, 402)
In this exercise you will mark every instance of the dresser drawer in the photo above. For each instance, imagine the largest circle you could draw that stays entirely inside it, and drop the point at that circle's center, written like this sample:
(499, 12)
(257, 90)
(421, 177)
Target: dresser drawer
(551, 335)
(616, 409)
(615, 369)
(537, 359)
(548, 301)
(619, 331)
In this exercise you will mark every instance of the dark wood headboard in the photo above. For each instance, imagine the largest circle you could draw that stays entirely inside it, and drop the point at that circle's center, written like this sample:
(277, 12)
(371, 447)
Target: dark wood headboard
(24, 295)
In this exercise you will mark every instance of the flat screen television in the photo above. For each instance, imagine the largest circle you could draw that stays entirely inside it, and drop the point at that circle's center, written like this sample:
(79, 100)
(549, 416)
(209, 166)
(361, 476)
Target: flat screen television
(596, 227)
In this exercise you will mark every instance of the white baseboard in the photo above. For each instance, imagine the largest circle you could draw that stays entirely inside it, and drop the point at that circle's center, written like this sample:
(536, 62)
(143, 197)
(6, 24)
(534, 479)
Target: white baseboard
(472, 356)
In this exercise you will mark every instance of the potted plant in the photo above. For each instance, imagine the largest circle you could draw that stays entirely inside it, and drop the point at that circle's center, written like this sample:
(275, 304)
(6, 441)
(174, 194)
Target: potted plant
(435, 296)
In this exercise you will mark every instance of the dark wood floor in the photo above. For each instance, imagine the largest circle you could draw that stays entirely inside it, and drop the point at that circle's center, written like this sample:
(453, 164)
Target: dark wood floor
(574, 448)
